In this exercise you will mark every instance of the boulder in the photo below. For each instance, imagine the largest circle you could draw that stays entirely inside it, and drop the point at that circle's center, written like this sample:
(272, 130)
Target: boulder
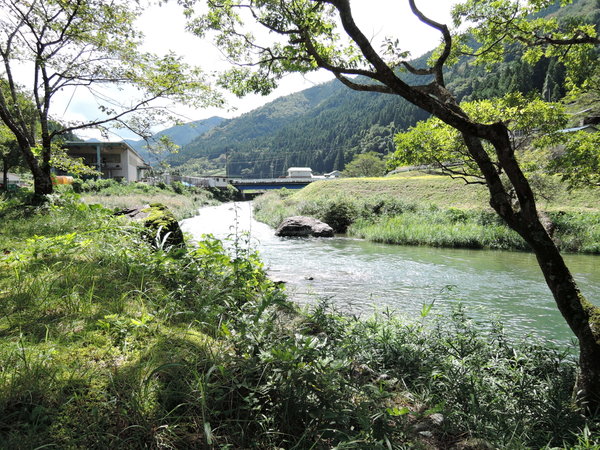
(163, 230)
(303, 226)
(135, 212)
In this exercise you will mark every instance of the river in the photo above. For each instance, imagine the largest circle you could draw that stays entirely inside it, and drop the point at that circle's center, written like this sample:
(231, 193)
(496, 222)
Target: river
(360, 277)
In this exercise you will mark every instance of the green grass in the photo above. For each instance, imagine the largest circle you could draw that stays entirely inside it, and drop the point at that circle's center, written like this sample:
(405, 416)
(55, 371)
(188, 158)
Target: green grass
(413, 209)
(408, 188)
(107, 342)
(414, 229)
(184, 201)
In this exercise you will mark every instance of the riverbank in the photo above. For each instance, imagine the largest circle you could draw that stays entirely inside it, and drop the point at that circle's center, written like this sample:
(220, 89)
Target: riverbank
(420, 209)
(183, 201)
(107, 342)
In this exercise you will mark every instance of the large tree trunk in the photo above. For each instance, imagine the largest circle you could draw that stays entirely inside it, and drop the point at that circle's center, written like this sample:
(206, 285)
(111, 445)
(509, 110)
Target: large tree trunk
(42, 180)
(582, 317)
(522, 216)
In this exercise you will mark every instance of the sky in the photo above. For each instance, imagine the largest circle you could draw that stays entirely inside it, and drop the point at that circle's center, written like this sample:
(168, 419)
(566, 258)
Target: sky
(164, 29)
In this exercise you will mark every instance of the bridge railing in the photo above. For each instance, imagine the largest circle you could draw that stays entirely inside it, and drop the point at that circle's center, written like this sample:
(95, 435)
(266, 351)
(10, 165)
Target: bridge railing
(235, 181)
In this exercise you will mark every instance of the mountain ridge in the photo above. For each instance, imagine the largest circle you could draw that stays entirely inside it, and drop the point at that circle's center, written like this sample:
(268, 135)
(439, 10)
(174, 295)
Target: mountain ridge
(326, 125)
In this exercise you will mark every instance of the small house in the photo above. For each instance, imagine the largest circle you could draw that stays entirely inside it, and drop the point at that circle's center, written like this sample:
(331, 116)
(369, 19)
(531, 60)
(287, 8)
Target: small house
(299, 172)
(116, 160)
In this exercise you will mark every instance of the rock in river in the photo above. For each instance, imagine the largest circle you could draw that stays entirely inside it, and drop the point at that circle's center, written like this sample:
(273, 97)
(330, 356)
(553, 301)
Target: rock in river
(303, 226)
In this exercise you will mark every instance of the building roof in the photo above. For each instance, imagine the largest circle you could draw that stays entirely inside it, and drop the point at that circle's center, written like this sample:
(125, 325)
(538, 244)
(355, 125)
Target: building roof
(94, 144)
(298, 169)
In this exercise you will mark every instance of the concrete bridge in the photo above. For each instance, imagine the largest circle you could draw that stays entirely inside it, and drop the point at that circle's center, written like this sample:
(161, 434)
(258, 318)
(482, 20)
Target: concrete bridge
(266, 184)
(244, 185)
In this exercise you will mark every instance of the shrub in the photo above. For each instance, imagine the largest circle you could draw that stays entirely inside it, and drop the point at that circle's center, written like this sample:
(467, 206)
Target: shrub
(339, 214)
(107, 343)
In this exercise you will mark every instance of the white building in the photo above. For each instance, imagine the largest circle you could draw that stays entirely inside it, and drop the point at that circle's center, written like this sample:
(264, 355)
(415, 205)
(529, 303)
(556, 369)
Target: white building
(299, 172)
(12, 180)
(116, 160)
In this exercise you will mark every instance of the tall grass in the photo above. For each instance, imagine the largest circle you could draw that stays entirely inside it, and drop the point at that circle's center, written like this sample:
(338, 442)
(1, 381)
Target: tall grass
(441, 231)
(183, 200)
(392, 220)
(106, 342)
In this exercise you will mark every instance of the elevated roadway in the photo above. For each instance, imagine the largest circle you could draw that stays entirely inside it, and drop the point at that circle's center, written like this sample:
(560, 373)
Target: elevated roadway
(266, 184)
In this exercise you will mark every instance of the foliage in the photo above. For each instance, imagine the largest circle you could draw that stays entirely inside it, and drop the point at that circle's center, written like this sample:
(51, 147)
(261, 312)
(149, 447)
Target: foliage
(338, 214)
(183, 201)
(160, 149)
(531, 122)
(567, 35)
(313, 127)
(85, 44)
(199, 349)
(447, 228)
(367, 164)
(76, 166)
(578, 162)
(433, 211)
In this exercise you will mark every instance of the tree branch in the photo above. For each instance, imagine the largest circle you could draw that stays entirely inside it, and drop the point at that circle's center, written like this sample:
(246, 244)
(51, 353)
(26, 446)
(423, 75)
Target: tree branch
(439, 64)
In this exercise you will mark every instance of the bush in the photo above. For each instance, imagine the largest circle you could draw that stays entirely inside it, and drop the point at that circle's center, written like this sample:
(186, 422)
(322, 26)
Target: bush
(108, 343)
(339, 214)
(178, 187)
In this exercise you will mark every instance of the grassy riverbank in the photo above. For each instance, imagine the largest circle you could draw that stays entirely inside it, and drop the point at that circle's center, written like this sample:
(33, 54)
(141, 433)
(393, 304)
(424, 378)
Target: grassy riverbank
(107, 342)
(417, 209)
(183, 200)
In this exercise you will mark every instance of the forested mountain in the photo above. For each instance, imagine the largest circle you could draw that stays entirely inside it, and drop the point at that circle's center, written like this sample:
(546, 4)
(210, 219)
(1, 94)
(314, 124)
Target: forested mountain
(321, 127)
(325, 126)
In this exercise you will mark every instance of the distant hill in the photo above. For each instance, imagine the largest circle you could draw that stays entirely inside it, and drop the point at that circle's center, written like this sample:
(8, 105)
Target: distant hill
(320, 127)
(179, 134)
(325, 126)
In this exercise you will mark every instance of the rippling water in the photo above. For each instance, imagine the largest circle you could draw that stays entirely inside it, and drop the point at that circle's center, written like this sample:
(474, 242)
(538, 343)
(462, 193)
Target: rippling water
(361, 276)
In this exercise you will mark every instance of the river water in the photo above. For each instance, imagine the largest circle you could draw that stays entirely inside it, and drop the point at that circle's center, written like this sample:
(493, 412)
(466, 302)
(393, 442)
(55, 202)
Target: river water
(361, 277)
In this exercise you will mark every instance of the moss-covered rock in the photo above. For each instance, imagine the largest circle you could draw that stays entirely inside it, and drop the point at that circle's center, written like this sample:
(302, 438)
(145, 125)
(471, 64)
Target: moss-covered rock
(163, 230)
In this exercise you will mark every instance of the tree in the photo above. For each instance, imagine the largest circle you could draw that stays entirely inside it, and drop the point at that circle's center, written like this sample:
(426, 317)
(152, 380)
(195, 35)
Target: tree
(82, 46)
(9, 153)
(340, 162)
(501, 26)
(531, 123)
(578, 161)
(309, 36)
(160, 149)
(367, 164)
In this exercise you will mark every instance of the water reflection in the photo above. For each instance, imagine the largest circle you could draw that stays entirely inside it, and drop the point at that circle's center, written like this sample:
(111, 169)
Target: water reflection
(361, 276)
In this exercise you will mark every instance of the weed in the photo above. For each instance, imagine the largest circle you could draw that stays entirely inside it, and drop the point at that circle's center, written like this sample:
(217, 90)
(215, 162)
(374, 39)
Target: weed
(107, 342)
